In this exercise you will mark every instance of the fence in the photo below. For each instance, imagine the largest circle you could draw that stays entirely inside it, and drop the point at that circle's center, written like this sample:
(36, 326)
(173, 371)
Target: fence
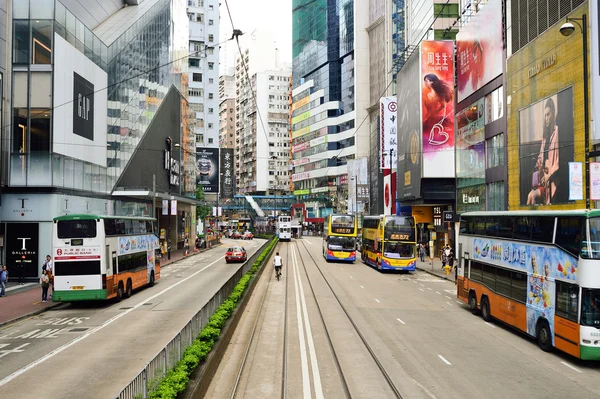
(148, 379)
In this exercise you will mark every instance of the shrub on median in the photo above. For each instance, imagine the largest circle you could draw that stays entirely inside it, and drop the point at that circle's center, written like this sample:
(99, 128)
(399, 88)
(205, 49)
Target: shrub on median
(176, 380)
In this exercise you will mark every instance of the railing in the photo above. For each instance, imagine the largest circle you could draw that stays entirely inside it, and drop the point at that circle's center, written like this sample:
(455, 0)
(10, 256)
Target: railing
(150, 376)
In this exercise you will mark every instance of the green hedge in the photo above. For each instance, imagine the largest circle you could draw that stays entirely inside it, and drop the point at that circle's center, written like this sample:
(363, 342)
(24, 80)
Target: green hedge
(176, 380)
(265, 236)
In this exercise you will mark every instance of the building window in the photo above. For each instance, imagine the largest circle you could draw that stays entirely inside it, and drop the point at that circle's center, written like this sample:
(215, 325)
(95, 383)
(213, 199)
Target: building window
(21, 42)
(197, 77)
(210, 125)
(211, 7)
(211, 37)
(495, 196)
(195, 92)
(200, 18)
(210, 140)
(494, 149)
(210, 50)
(210, 96)
(211, 80)
(211, 22)
(494, 105)
(211, 66)
(20, 131)
(194, 62)
(41, 36)
(197, 107)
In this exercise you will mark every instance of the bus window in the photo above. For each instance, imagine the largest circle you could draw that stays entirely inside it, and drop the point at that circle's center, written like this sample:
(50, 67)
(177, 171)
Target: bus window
(505, 226)
(593, 241)
(336, 243)
(568, 234)
(542, 228)
(479, 226)
(110, 227)
(522, 230)
(590, 307)
(491, 227)
(76, 228)
(518, 288)
(567, 300)
(503, 281)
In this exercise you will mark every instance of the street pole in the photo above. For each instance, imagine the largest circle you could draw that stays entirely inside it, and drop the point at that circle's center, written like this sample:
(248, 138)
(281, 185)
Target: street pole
(170, 149)
(356, 195)
(586, 110)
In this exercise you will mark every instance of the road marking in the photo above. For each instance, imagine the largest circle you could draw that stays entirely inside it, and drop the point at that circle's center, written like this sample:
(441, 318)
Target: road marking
(362, 286)
(377, 300)
(401, 321)
(429, 289)
(439, 293)
(421, 289)
(58, 350)
(351, 277)
(571, 367)
(449, 303)
(414, 281)
(342, 268)
(459, 302)
(447, 297)
(490, 324)
(444, 360)
(422, 285)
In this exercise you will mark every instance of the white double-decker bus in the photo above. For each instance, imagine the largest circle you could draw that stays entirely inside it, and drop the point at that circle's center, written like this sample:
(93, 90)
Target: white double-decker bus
(537, 271)
(103, 257)
(284, 227)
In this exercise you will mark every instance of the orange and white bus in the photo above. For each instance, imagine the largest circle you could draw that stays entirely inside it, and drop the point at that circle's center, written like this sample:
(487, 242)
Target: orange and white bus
(537, 271)
(103, 257)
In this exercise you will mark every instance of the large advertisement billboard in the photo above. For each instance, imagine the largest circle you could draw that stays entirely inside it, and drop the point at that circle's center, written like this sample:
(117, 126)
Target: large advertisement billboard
(388, 153)
(228, 174)
(437, 107)
(479, 46)
(545, 149)
(207, 169)
(409, 130)
(79, 127)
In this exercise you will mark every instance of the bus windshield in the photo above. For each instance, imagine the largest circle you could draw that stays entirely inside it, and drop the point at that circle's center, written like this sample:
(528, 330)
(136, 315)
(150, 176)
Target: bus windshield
(594, 241)
(341, 243)
(399, 228)
(76, 228)
(590, 307)
(398, 250)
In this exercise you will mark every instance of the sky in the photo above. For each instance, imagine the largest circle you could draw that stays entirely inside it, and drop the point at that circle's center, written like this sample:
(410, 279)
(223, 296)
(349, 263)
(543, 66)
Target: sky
(267, 15)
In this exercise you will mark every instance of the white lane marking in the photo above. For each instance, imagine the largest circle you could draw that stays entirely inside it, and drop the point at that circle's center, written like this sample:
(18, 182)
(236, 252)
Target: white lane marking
(301, 337)
(429, 289)
(459, 302)
(351, 277)
(377, 300)
(490, 324)
(414, 281)
(444, 360)
(449, 303)
(58, 350)
(362, 286)
(401, 321)
(447, 297)
(571, 367)
(421, 289)
(439, 293)
(342, 268)
(422, 285)
(311, 345)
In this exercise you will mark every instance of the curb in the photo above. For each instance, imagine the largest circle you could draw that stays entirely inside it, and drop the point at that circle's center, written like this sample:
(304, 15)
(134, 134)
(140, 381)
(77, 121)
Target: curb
(436, 275)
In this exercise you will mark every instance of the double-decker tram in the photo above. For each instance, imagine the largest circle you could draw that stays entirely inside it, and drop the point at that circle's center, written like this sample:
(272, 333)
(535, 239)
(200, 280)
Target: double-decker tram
(339, 238)
(284, 227)
(103, 257)
(537, 271)
(389, 242)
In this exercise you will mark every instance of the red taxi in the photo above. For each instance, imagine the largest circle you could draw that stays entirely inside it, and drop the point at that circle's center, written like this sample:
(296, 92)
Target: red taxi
(236, 254)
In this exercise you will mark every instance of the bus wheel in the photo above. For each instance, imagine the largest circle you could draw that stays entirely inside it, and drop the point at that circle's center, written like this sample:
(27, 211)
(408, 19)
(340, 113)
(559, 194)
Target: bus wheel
(543, 335)
(473, 302)
(128, 291)
(151, 279)
(120, 292)
(485, 309)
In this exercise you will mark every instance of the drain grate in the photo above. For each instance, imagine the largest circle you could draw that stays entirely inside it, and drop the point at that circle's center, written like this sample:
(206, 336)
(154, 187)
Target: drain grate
(81, 329)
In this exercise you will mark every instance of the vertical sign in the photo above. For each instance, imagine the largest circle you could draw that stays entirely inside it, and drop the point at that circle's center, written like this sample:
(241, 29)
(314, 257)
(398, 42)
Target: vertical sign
(389, 135)
(22, 241)
(575, 181)
(227, 170)
(594, 181)
(173, 207)
(207, 169)
(165, 207)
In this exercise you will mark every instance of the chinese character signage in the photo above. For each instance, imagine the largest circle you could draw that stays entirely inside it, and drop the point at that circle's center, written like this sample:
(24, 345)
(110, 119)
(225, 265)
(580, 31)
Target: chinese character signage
(479, 46)
(594, 181)
(575, 181)
(207, 169)
(362, 193)
(388, 149)
(173, 207)
(437, 107)
(228, 175)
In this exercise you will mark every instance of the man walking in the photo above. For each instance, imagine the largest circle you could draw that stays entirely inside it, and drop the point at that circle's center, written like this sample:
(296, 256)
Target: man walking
(3, 281)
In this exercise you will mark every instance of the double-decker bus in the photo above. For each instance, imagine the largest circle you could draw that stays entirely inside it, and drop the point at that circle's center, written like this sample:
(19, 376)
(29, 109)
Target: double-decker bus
(103, 257)
(284, 227)
(389, 242)
(537, 271)
(339, 238)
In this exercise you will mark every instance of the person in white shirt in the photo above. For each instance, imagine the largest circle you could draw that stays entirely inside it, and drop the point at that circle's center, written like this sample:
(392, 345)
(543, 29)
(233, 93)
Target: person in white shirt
(48, 267)
(278, 263)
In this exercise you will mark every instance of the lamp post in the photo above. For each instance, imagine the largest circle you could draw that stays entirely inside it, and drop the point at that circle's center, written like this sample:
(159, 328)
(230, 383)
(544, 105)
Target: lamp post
(170, 174)
(355, 179)
(566, 30)
(273, 157)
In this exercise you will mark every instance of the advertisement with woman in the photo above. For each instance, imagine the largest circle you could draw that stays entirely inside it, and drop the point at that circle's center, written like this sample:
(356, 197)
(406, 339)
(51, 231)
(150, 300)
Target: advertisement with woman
(437, 106)
(545, 149)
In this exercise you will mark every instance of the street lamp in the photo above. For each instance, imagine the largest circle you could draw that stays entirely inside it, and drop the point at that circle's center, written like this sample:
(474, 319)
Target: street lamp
(355, 179)
(566, 30)
(170, 174)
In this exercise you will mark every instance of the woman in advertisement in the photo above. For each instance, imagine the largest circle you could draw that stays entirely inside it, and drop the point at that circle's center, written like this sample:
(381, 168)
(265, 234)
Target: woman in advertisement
(438, 95)
(545, 177)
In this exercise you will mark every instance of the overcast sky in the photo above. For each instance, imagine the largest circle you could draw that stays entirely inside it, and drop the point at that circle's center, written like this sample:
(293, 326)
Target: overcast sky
(266, 15)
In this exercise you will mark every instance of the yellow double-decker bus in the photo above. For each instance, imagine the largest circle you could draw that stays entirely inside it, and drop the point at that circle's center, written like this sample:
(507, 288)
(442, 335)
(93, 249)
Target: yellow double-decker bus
(339, 238)
(389, 242)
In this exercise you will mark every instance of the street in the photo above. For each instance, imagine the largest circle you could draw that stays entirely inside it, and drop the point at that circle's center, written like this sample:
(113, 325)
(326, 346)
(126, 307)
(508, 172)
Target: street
(428, 343)
(112, 342)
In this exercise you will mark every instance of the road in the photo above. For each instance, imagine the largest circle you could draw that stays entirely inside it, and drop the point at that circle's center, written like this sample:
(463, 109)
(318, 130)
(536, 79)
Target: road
(94, 350)
(428, 343)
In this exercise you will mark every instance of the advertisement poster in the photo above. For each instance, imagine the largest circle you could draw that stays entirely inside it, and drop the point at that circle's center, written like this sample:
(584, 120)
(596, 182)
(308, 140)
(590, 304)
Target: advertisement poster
(207, 169)
(437, 106)
(479, 47)
(389, 136)
(595, 181)
(228, 178)
(575, 181)
(165, 207)
(21, 248)
(595, 71)
(470, 142)
(173, 207)
(409, 130)
(545, 149)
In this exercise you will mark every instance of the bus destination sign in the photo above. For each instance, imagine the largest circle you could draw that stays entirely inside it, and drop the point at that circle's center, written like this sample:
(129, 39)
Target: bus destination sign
(341, 230)
(396, 236)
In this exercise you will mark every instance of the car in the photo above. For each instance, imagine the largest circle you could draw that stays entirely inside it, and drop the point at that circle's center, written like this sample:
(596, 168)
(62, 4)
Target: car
(236, 254)
(236, 234)
(248, 235)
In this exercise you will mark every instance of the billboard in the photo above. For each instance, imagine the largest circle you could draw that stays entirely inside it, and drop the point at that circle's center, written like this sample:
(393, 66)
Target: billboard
(409, 130)
(228, 173)
(207, 169)
(389, 138)
(479, 46)
(437, 107)
(79, 128)
(470, 158)
(545, 149)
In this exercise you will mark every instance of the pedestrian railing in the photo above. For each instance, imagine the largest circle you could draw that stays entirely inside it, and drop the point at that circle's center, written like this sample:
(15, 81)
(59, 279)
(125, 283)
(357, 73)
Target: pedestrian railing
(150, 376)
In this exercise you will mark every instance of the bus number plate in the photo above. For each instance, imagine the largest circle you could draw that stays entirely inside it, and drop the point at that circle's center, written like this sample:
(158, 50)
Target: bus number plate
(77, 287)
(399, 236)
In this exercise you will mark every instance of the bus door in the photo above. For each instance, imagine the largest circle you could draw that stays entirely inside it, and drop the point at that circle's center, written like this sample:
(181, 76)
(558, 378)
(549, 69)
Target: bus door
(110, 283)
(150, 262)
(464, 266)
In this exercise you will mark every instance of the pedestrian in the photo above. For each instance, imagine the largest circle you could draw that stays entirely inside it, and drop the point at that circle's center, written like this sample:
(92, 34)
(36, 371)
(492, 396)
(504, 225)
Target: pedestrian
(45, 281)
(422, 251)
(186, 246)
(451, 260)
(50, 272)
(278, 263)
(444, 259)
(21, 273)
(3, 281)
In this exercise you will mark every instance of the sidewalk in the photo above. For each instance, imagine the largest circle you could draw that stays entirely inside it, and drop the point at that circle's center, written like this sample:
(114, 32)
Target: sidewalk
(24, 301)
(435, 269)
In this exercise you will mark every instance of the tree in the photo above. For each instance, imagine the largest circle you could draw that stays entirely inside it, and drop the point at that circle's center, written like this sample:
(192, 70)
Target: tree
(202, 211)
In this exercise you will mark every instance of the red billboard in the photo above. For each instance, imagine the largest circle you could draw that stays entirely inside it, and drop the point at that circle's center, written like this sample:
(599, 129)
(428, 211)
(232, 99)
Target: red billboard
(437, 107)
(479, 46)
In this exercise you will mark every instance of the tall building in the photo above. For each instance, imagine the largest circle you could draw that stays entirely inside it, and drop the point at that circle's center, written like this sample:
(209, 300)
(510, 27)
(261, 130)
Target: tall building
(204, 50)
(96, 93)
(420, 15)
(330, 99)
(227, 123)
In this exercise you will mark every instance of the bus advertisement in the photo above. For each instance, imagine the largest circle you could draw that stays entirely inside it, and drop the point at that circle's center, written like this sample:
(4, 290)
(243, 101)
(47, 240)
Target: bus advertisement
(339, 238)
(536, 271)
(102, 257)
(389, 242)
